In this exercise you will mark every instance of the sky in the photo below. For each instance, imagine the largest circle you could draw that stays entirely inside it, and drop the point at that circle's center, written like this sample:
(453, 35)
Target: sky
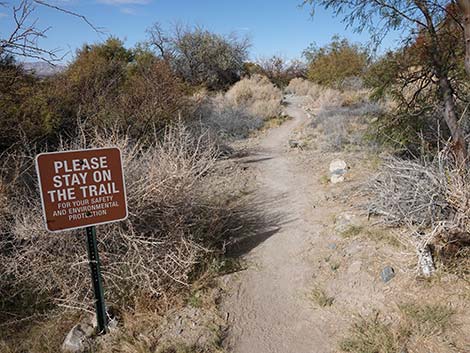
(275, 27)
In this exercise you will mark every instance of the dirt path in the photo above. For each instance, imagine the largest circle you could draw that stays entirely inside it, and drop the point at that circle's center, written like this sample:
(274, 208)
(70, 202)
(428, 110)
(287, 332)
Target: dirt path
(269, 309)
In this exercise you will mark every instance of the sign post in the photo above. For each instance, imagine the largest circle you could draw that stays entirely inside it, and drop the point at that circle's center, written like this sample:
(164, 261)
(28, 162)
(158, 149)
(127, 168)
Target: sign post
(94, 259)
(81, 189)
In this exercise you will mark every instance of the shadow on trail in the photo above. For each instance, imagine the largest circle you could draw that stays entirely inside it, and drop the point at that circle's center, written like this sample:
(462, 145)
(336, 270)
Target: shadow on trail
(257, 224)
(256, 160)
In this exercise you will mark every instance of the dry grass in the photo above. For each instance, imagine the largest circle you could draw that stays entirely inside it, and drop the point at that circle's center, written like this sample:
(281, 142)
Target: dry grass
(319, 96)
(275, 122)
(424, 323)
(372, 335)
(428, 319)
(380, 235)
(344, 127)
(321, 298)
(340, 117)
(251, 104)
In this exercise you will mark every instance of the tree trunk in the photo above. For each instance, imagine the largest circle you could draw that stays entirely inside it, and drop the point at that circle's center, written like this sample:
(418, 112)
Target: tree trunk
(465, 8)
(445, 88)
(452, 120)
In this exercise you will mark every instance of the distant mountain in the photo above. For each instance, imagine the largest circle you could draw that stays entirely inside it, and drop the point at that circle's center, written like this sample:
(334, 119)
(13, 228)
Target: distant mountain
(43, 69)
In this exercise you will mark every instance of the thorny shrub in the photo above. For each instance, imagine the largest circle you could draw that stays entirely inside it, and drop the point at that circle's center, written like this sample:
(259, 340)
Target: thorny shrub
(430, 198)
(227, 120)
(174, 226)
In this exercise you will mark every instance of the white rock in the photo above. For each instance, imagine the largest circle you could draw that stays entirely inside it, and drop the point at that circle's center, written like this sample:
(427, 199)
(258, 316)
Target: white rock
(76, 339)
(335, 178)
(337, 166)
(338, 169)
(426, 261)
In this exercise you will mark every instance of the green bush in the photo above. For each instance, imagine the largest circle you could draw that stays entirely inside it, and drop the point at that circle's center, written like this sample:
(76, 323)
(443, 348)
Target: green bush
(26, 111)
(336, 62)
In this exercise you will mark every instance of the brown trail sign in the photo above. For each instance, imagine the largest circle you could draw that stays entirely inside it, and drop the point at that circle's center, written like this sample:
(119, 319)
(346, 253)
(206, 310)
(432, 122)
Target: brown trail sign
(81, 189)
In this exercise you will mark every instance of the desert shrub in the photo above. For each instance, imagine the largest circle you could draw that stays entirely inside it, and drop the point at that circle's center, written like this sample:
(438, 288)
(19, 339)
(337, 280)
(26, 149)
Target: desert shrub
(319, 96)
(151, 97)
(174, 225)
(406, 77)
(410, 192)
(352, 83)
(336, 62)
(227, 120)
(258, 95)
(329, 97)
(279, 70)
(92, 82)
(302, 87)
(344, 126)
(200, 57)
(109, 86)
(26, 112)
(430, 198)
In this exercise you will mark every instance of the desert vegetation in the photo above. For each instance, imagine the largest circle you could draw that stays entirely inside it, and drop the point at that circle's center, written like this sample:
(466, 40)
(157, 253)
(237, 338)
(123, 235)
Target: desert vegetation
(412, 104)
(179, 104)
(172, 104)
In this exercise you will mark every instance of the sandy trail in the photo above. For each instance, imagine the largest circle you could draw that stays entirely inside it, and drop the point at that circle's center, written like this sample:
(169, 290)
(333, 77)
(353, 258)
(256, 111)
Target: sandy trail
(269, 310)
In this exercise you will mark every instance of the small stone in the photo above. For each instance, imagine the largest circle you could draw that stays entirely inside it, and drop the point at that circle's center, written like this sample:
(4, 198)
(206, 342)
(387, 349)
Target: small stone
(113, 324)
(335, 178)
(338, 169)
(387, 274)
(76, 339)
(295, 144)
(426, 261)
(338, 166)
(332, 246)
(344, 221)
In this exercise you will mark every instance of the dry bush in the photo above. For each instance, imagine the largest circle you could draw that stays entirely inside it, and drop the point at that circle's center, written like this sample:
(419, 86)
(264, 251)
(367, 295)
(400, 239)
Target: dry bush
(344, 126)
(429, 197)
(330, 98)
(320, 96)
(200, 57)
(410, 192)
(340, 116)
(174, 226)
(227, 120)
(257, 95)
(302, 87)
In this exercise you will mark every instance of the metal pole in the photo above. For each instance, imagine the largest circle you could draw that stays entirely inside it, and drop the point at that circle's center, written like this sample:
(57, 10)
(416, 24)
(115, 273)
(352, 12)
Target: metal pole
(94, 260)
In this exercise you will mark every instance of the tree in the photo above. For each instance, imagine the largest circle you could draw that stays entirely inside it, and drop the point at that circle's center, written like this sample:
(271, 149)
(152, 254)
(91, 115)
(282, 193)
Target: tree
(23, 39)
(279, 70)
(201, 57)
(26, 114)
(415, 17)
(335, 62)
(94, 79)
(464, 6)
